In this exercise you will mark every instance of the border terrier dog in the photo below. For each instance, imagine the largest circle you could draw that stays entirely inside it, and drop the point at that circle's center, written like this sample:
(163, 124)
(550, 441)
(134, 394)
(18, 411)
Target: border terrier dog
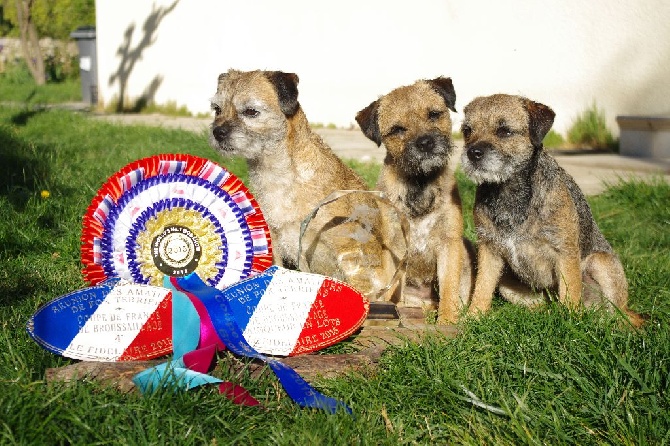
(535, 229)
(414, 124)
(291, 169)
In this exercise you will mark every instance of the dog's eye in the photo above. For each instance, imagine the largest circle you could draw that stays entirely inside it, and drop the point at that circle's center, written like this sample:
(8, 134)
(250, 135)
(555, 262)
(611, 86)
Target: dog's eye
(434, 115)
(466, 131)
(251, 112)
(396, 130)
(217, 109)
(504, 131)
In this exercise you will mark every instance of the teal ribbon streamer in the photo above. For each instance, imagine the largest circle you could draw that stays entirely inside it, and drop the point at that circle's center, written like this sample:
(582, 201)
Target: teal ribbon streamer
(230, 333)
(185, 322)
(172, 374)
(185, 338)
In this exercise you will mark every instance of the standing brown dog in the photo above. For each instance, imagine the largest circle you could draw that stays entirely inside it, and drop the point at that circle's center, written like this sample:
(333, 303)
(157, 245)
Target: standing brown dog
(291, 169)
(535, 229)
(414, 125)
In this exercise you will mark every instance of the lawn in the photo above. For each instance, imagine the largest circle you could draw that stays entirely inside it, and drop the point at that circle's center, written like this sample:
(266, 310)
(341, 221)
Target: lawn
(513, 377)
(30, 93)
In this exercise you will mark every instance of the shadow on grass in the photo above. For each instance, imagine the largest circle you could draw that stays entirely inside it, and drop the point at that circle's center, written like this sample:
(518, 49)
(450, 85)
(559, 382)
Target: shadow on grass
(20, 282)
(33, 261)
(22, 118)
(21, 170)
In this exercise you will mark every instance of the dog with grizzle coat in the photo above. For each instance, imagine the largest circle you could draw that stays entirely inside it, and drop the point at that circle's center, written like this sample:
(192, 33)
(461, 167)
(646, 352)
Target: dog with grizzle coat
(536, 235)
(414, 124)
(291, 169)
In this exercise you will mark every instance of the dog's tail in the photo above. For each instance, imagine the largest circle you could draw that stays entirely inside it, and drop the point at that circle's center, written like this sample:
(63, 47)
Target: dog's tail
(635, 319)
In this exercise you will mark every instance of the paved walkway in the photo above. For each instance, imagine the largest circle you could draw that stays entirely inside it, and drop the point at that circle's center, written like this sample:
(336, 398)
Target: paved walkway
(592, 171)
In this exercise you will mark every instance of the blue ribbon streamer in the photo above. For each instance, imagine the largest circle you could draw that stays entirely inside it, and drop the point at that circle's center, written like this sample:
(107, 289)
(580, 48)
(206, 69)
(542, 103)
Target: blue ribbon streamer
(223, 320)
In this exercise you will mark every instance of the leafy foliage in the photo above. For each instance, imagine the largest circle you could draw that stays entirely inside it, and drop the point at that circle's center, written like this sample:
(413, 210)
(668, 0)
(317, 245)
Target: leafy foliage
(52, 18)
(553, 139)
(590, 129)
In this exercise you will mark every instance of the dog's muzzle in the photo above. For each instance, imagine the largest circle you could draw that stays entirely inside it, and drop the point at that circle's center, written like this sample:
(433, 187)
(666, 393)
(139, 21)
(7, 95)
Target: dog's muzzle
(425, 143)
(222, 131)
(425, 154)
(428, 145)
(476, 152)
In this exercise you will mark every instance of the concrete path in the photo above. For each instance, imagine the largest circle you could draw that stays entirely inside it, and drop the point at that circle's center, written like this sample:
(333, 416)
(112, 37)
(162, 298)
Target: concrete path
(593, 172)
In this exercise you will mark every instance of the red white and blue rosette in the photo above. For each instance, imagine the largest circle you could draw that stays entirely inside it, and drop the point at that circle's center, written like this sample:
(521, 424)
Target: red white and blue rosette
(171, 215)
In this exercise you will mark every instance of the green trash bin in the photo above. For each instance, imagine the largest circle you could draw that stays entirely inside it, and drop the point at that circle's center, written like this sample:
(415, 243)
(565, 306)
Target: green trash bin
(88, 63)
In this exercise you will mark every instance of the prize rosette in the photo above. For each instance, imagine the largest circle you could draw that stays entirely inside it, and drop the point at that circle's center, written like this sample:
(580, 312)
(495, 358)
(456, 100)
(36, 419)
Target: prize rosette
(171, 215)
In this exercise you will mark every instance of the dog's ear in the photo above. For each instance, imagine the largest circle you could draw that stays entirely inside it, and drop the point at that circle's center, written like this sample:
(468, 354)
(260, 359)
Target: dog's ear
(286, 85)
(540, 120)
(445, 88)
(367, 120)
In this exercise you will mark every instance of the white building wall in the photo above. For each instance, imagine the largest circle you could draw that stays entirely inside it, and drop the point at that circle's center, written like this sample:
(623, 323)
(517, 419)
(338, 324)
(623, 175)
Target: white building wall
(567, 54)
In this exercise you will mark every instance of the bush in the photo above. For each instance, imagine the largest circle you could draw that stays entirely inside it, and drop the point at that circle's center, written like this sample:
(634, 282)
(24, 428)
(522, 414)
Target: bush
(590, 129)
(60, 68)
(553, 139)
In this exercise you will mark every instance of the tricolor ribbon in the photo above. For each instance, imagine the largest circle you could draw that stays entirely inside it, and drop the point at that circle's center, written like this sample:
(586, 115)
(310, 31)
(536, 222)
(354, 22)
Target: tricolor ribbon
(214, 173)
(230, 334)
(189, 366)
(171, 166)
(130, 179)
(195, 300)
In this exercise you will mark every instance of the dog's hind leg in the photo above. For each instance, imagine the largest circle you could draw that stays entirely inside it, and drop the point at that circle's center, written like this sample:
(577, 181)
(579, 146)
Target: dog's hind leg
(605, 284)
(517, 292)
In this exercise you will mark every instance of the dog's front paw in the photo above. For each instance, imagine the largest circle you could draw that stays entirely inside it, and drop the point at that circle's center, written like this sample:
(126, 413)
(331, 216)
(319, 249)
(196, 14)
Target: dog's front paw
(476, 310)
(447, 319)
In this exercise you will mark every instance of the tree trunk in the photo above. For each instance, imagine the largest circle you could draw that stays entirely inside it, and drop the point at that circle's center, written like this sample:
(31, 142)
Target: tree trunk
(30, 44)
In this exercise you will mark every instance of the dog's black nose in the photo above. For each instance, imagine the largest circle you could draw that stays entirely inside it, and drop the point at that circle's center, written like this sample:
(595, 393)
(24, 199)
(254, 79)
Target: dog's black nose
(476, 152)
(425, 143)
(221, 131)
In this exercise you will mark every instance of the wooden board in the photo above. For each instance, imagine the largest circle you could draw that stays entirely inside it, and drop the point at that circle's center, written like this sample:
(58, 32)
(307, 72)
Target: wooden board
(372, 341)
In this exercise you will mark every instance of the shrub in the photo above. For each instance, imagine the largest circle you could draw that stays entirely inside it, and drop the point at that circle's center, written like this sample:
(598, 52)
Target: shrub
(553, 139)
(61, 67)
(590, 129)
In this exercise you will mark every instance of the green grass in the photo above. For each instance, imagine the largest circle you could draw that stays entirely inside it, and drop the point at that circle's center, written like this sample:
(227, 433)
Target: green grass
(17, 85)
(514, 377)
(143, 106)
(369, 171)
(66, 91)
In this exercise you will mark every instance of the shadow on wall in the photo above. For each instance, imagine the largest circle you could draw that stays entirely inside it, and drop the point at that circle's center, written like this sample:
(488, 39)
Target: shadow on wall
(129, 57)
